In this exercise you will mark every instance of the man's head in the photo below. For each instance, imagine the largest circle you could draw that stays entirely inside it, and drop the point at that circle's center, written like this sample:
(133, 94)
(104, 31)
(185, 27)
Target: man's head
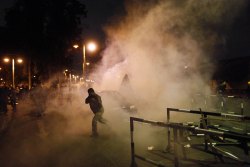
(91, 90)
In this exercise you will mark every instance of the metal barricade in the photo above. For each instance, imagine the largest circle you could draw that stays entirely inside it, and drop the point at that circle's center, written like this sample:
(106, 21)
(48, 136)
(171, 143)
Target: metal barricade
(177, 133)
(204, 124)
(220, 103)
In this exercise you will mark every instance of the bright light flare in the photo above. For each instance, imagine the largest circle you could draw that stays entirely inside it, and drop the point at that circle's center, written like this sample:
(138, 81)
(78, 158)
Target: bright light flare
(91, 46)
(75, 46)
(20, 60)
(6, 60)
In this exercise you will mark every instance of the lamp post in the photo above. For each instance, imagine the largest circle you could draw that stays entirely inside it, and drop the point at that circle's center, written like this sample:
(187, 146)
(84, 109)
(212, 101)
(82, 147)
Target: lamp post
(84, 61)
(6, 60)
(87, 69)
(90, 46)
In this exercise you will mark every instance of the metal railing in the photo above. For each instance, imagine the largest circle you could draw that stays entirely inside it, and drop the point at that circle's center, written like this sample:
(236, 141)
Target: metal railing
(177, 134)
(204, 124)
(220, 103)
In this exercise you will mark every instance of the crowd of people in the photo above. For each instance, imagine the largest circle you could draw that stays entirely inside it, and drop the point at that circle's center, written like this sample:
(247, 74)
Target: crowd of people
(8, 96)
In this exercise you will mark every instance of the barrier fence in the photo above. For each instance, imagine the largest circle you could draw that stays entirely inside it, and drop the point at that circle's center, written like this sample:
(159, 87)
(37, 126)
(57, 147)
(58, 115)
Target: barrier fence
(178, 130)
(222, 103)
(243, 144)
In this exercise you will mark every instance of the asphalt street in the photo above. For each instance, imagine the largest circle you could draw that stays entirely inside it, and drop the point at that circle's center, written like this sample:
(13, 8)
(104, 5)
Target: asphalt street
(61, 138)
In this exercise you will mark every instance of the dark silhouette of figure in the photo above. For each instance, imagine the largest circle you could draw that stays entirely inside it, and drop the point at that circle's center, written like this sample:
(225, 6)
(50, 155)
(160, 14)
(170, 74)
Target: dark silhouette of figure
(3, 99)
(222, 88)
(13, 97)
(95, 103)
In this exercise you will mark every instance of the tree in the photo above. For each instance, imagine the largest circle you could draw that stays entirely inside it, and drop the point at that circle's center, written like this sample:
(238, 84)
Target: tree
(44, 29)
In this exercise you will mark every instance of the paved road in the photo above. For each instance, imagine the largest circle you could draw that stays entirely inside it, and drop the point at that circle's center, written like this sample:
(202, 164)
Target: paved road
(58, 139)
(61, 138)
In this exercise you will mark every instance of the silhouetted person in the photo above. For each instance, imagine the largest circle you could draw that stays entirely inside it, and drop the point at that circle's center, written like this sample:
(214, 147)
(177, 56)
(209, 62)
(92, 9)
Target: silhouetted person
(222, 88)
(95, 103)
(13, 96)
(3, 99)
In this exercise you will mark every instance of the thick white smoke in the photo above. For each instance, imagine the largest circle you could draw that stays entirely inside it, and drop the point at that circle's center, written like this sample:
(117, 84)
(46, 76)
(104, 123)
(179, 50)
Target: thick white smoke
(166, 47)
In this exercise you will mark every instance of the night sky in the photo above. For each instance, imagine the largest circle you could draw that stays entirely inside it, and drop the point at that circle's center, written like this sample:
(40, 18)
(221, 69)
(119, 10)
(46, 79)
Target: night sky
(4, 4)
(99, 14)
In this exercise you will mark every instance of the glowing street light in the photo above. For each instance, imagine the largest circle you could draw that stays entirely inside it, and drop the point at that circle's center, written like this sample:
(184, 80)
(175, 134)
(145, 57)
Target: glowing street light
(87, 69)
(7, 60)
(19, 60)
(91, 47)
(75, 46)
(65, 73)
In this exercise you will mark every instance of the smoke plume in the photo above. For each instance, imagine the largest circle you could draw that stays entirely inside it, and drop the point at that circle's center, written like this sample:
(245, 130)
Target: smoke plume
(166, 48)
(163, 50)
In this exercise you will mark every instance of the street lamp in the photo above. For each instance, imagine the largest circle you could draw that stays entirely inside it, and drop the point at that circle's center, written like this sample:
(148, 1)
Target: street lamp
(87, 69)
(7, 60)
(91, 47)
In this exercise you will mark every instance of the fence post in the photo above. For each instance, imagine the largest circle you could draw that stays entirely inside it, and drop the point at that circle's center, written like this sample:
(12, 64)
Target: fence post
(176, 159)
(242, 108)
(133, 163)
(181, 134)
(168, 132)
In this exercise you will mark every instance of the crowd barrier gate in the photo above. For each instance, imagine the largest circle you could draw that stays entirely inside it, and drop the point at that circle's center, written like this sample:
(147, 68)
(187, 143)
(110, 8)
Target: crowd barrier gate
(177, 129)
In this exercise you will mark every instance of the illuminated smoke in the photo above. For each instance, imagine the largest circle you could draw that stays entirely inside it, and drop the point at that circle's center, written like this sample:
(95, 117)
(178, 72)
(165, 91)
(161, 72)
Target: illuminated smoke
(163, 47)
(166, 48)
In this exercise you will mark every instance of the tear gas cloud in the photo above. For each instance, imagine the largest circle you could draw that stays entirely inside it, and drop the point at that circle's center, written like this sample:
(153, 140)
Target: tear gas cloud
(164, 47)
